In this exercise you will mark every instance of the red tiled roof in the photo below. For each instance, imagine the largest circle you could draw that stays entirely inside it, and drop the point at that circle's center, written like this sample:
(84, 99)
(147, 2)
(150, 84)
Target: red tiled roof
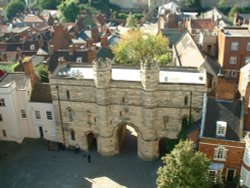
(202, 24)
(31, 18)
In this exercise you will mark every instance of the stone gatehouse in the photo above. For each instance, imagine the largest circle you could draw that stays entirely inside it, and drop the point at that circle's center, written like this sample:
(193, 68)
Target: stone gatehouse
(95, 103)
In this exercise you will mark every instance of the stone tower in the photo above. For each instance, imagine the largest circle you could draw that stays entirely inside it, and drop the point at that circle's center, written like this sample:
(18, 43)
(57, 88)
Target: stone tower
(149, 80)
(102, 77)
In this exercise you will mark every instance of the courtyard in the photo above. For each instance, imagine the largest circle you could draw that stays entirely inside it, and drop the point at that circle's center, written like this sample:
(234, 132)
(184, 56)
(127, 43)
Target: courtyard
(30, 165)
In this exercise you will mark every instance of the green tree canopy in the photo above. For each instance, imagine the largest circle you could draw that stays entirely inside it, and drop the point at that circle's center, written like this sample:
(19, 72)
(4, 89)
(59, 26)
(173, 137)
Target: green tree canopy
(42, 72)
(13, 8)
(137, 46)
(184, 168)
(222, 3)
(131, 21)
(68, 10)
(192, 3)
(48, 4)
(233, 11)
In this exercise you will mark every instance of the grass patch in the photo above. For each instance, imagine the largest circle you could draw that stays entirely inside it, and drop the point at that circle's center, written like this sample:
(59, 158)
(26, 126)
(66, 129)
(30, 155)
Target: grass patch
(8, 67)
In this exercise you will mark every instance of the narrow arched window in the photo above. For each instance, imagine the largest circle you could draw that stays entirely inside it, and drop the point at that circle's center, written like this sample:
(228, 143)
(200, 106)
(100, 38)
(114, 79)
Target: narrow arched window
(70, 115)
(186, 100)
(72, 135)
(68, 94)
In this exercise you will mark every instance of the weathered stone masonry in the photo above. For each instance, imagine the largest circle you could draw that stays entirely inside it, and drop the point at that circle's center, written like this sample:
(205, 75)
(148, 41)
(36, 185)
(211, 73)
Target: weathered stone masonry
(104, 106)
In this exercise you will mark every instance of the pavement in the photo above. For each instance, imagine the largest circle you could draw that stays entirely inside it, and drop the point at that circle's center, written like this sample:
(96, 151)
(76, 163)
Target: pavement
(31, 165)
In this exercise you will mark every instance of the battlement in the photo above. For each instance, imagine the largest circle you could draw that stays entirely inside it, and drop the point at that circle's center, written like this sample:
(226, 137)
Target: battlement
(150, 65)
(102, 64)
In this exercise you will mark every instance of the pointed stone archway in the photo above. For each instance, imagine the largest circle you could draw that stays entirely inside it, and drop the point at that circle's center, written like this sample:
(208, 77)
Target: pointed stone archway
(126, 138)
(90, 141)
(162, 147)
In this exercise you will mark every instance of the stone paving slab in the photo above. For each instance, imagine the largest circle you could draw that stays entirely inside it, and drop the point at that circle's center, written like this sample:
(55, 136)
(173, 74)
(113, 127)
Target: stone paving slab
(31, 165)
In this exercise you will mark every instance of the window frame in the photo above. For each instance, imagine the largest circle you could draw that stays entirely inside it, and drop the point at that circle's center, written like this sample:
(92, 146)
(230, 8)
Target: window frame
(220, 153)
(248, 46)
(247, 59)
(221, 128)
(72, 135)
(4, 133)
(1, 117)
(23, 114)
(70, 115)
(79, 60)
(217, 175)
(49, 115)
(32, 47)
(37, 114)
(234, 46)
(2, 102)
(233, 60)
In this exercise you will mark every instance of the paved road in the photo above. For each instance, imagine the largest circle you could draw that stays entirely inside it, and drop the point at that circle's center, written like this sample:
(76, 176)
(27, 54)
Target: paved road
(31, 165)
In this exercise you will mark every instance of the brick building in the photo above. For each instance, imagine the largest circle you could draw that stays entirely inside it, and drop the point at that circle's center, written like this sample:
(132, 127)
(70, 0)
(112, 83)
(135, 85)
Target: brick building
(221, 138)
(234, 49)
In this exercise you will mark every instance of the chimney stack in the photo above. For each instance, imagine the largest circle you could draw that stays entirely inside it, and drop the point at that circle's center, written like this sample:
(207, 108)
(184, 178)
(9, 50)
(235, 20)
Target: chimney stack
(95, 34)
(91, 54)
(90, 43)
(104, 41)
(61, 60)
(29, 71)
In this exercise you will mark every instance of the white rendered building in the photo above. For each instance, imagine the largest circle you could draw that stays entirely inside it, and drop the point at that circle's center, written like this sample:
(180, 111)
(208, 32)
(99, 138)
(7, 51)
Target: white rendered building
(15, 124)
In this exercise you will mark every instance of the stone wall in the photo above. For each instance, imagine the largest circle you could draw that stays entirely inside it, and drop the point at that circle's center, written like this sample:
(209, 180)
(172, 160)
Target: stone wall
(100, 107)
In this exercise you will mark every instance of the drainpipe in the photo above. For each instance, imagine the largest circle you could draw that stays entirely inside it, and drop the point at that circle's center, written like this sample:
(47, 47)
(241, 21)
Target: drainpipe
(60, 114)
(190, 108)
(204, 111)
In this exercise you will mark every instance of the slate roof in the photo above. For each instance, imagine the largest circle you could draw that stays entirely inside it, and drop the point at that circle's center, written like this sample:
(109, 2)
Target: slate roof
(173, 35)
(67, 57)
(105, 53)
(20, 79)
(211, 65)
(228, 111)
(41, 93)
(83, 35)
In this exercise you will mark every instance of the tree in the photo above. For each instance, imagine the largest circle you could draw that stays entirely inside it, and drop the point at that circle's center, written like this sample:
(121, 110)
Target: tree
(184, 168)
(136, 46)
(42, 71)
(131, 21)
(222, 3)
(192, 3)
(13, 8)
(48, 4)
(69, 10)
(233, 11)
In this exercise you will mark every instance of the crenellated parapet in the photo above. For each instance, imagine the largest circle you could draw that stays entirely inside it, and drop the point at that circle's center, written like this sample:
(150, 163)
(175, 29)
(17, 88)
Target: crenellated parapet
(102, 72)
(149, 74)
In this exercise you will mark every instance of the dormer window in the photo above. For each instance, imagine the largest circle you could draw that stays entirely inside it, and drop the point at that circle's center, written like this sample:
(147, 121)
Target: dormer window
(32, 47)
(221, 127)
(79, 59)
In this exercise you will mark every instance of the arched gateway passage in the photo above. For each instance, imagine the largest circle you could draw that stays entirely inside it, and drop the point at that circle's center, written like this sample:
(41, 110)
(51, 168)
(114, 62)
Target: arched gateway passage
(91, 141)
(127, 138)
